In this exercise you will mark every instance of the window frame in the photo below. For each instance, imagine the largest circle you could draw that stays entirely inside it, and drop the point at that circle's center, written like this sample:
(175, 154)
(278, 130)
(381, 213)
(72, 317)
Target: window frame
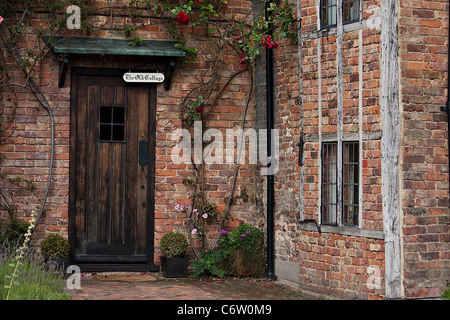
(340, 200)
(321, 9)
(356, 186)
(111, 124)
(344, 3)
(323, 187)
(358, 18)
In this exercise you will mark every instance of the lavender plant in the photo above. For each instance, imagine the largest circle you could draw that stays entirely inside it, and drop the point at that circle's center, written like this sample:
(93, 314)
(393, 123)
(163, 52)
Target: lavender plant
(23, 275)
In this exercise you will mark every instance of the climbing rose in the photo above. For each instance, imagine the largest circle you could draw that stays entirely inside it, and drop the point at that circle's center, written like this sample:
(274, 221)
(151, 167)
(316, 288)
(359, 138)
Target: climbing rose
(243, 60)
(268, 43)
(238, 35)
(182, 18)
(199, 110)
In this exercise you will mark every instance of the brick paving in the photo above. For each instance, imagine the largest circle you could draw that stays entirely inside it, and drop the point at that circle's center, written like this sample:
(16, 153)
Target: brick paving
(185, 289)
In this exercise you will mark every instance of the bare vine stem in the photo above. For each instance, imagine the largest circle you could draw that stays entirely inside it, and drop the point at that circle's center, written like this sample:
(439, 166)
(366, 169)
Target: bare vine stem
(31, 85)
(238, 156)
(227, 208)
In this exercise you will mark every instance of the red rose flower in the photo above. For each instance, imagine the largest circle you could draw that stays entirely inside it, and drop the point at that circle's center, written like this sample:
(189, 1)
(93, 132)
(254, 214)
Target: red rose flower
(182, 18)
(238, 35)
(243, 60)
(199, 110)
(268, 43)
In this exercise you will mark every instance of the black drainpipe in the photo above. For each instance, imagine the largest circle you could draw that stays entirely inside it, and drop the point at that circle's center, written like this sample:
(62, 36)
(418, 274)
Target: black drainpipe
(448, 103)
(270, 274)
(447, 108)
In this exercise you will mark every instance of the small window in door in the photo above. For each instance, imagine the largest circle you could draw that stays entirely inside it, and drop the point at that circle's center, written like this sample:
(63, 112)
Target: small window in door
(112, 124)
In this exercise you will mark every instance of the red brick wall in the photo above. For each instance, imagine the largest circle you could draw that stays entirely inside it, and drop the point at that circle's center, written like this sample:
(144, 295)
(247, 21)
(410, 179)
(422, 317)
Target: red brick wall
(26, 144)
(423, 39)
(27, 136)
(337, 264)
(330, 263)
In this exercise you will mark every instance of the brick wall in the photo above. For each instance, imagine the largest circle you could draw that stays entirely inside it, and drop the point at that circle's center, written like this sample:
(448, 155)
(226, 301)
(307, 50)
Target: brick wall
(27, 136)
(331, 262)
(335, 262)
(26, 144)
(423, 39)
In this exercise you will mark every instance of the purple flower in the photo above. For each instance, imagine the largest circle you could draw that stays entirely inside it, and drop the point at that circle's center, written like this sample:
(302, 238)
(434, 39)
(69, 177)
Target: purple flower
(205, 215)
(223, 232)
(194, 231)
(248, 232)
(177, 207)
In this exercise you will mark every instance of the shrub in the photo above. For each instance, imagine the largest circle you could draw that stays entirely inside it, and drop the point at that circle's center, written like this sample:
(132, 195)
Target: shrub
(55, 246)
(244, 237)
(173, 244)
(209, 264)
(13, 230)
(246, 251)
(446, 294)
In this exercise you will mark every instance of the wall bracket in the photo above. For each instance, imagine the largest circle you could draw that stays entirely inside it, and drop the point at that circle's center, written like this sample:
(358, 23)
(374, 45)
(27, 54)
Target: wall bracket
(63, 63)
(169, 73)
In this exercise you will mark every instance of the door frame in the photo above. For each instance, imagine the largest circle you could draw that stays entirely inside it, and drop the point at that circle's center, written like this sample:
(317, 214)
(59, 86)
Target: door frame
(150, 235)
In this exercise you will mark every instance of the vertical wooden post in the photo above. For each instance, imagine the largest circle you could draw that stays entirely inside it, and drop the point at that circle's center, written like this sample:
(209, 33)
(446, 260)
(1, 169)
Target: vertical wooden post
(390, 147)
(340, 107)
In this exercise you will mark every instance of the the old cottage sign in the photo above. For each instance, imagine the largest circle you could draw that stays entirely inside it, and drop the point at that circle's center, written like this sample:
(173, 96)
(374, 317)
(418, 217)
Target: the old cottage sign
(143, 77)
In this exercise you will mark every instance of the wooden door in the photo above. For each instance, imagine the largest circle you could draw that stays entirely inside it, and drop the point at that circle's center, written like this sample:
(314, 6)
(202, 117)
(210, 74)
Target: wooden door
(112, 168)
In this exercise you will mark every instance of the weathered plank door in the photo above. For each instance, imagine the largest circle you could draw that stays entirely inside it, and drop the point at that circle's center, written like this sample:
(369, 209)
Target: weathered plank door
(112, 168)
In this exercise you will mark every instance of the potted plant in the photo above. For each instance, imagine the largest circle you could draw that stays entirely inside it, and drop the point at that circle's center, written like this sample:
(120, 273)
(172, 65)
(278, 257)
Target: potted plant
(174, 246)
(55, 250)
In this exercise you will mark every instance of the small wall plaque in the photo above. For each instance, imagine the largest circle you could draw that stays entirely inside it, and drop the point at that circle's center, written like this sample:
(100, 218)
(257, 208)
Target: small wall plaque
(143, 77)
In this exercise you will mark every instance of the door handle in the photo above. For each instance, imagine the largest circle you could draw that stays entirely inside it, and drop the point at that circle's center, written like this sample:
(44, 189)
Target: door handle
(143, 153)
